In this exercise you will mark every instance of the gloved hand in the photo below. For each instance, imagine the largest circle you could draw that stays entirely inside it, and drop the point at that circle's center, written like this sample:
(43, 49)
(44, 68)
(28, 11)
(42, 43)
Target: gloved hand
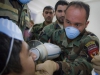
(96, 63)
(46, 68)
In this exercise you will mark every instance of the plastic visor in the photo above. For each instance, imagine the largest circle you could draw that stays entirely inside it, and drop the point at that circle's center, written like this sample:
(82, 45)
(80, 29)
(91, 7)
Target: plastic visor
(12, 30)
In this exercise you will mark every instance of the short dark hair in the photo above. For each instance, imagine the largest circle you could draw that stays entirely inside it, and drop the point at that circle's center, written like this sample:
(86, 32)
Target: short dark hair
(80, 4)
(14, 64)
(62, 2)
(48, 8)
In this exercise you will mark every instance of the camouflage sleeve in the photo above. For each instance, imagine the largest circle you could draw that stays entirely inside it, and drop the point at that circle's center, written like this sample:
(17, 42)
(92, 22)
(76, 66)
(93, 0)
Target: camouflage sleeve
(82, 63)
(79, 67)
(45, 34)
(57, 37)
(34, 32)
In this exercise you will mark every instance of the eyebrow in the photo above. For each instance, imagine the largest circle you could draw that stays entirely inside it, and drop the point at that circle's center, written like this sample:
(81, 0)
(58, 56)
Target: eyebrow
(75, 23)
(66, 19)
(48, 12)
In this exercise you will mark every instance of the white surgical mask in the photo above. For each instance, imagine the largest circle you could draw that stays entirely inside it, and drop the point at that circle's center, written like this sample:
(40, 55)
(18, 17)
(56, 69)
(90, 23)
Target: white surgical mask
(72, 32)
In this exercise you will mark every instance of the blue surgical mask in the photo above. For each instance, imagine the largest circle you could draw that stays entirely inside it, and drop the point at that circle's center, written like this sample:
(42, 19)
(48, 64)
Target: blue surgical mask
(24, 1)
(72, 32)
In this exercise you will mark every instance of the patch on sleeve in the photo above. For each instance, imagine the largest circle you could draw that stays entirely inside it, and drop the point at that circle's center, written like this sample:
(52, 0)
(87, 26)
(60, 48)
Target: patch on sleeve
(92, 48)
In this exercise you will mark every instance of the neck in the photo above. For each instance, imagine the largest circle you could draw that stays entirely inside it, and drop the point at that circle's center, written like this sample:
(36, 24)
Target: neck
(46, 23)
(69, 40)
(60, 23)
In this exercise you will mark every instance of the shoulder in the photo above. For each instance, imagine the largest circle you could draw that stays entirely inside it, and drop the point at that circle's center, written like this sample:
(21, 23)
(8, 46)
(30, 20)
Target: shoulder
(59, 32)
(58, 35)
(90, 36)
(91, 44)
(36, 25)
(48, 28)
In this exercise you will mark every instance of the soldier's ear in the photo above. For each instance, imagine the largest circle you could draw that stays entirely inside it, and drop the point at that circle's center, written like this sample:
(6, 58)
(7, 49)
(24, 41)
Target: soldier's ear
(87, 23)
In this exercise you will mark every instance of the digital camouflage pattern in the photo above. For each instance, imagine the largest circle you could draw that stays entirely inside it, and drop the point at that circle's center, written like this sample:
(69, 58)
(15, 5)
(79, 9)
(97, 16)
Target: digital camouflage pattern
(15, 11)
(9, 10)
(76, 55)
(37, 28)
(24, 18)
(47, 31)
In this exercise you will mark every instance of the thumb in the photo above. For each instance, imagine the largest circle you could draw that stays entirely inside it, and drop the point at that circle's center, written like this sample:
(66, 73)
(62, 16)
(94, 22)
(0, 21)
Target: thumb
(39, 67)
(96, 59)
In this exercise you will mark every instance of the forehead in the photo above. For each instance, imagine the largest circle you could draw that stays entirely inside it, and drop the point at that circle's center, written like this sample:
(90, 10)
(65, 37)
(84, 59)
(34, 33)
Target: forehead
(75, 12)
(48, 10)
(61, 7)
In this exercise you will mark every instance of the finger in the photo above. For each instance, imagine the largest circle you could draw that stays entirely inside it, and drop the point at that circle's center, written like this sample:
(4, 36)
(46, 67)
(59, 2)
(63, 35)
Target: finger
(96, 63)
(96, 58)
(96, 67)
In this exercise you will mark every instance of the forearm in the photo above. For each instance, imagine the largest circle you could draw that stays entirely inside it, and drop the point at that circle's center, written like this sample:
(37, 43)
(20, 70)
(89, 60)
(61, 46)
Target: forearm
(75, 68)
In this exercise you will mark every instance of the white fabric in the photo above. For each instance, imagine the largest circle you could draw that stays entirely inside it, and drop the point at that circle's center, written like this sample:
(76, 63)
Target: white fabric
(46, 51)
(94, 73)
(10, 28)
(53, 50)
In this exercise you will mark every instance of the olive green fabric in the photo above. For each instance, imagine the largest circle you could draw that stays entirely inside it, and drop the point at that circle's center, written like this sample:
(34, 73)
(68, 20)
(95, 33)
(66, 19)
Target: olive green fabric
(37, 28)
(7, 10)
(76, 55)
(15, 11)
(24, 18)
(47, 31)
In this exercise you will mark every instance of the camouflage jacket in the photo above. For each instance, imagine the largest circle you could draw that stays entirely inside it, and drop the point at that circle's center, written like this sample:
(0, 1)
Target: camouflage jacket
(47, 31)
(37, 28)
(13, 10)
(75, 58)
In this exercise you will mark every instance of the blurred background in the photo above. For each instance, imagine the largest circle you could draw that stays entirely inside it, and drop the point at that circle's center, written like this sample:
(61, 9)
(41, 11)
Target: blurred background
(36, 9)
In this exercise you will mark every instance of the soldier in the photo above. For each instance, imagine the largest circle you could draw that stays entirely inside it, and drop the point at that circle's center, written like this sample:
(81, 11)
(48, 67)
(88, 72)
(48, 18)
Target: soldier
(60, 8)
(48, 14)
(78, 45)
(15, 10)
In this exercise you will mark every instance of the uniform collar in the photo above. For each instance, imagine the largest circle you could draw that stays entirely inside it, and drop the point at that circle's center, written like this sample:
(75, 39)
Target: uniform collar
(56, 26)
(75, 42)
(43, 24)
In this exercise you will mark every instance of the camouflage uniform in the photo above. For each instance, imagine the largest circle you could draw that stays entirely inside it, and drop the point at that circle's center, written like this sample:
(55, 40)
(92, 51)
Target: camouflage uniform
(37, 28)
(25, 18)
(13, 10)
(76, 56)
(47, 31)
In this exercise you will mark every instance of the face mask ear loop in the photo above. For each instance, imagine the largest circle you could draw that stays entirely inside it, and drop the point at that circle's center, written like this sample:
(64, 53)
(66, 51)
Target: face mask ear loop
(12, 41)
